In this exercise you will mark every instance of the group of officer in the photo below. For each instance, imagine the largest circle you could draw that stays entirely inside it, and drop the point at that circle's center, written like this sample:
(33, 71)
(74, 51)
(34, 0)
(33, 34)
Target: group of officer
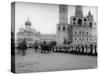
(82, 49)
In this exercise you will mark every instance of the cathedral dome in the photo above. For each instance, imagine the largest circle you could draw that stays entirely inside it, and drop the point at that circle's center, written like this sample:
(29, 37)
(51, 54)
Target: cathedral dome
(28, 22)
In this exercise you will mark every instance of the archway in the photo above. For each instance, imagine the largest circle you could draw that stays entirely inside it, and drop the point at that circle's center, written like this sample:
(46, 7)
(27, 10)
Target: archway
(79, 22)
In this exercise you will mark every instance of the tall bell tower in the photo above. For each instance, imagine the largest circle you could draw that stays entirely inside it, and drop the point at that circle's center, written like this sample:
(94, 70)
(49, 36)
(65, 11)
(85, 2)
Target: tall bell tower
(63, 13)
(63, 26)
(79, 12)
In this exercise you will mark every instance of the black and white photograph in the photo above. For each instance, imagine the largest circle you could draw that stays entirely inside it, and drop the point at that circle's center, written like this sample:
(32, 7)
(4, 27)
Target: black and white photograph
(53, 37)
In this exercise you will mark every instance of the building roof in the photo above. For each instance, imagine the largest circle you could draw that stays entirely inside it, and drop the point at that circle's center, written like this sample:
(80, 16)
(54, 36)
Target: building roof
(48, 36)
(28, 22)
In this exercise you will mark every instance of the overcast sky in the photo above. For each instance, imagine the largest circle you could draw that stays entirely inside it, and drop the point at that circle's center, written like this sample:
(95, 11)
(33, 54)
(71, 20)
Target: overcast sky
(44, 17)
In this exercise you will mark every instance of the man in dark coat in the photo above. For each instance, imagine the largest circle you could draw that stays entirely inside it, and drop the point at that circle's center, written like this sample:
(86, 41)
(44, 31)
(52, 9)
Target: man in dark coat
(24, 47)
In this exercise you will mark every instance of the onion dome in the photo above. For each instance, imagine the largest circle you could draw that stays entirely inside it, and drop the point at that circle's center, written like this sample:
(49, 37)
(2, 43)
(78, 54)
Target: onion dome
(28, 22)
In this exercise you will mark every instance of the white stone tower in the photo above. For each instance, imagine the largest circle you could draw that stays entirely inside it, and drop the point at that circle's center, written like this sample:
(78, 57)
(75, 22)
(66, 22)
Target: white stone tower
(62, 27)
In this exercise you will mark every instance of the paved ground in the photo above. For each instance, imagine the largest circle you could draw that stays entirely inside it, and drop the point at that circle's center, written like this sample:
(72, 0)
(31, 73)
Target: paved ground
(37, 62)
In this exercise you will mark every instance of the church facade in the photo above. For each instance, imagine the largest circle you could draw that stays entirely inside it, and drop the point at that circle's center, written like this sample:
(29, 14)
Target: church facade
(79, 30)
(82, 27)
(31, 35)
(27, 33)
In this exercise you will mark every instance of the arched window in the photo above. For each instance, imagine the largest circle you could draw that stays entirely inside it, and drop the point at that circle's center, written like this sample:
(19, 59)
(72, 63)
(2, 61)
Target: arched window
(79, 22)
(85, 19)
(59, 28)
(64, 28)
(90, 24)
(74, 18)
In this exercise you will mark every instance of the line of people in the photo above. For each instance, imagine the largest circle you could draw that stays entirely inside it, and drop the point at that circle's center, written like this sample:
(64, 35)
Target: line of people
(82, 49)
